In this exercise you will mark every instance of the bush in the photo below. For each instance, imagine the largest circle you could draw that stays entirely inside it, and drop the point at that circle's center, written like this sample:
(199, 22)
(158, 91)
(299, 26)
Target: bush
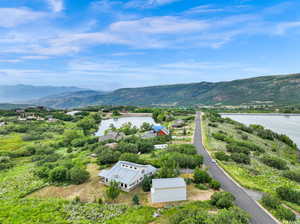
(58, 174)
(42, 172)
(183, 148)
(188, 181)
(201, 176)
(107, 156)
(222, 156)
(201, 187)
(240, 158)
(270, 201)
(113, 191)
(230, 216)
(292, 175)
(285, 214)
(275, 162)
(146, 184)
(234, 147)
(222, 200)
(289, 194)
(78, 175)
(214, 184)
(130, 157)
(219, 136)
(135, 200)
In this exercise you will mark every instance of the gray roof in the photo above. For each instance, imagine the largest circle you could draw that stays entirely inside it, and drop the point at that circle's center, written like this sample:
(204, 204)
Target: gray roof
(127, 175)
(112, 136)
(168, 183)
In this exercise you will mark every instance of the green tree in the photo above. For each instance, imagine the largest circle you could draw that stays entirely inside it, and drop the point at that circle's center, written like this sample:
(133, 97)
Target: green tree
(86, 124)
(58, 174)
(201, 176)
(113, 191)
(168, 169)
(135, 200)
(222, 199)
(130, 157)
(70, 135)
(78, 175)
(146, 184)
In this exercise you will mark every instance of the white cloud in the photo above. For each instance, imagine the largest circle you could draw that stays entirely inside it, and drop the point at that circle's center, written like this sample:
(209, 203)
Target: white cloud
(204, 9)
(148, 3)
(11, 17)
(159, 25)
(56, 5)
(35, 57)
(282, 28)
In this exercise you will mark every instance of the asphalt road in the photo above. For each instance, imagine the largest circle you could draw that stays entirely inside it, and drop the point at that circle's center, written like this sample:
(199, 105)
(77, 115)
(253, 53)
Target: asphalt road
(243, 200)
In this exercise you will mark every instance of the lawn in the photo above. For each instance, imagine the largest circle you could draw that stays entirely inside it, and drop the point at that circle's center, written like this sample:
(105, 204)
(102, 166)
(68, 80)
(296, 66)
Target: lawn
(11, 142)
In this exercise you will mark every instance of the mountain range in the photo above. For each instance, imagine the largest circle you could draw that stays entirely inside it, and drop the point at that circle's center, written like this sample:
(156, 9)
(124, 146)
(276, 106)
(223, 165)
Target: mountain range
(279, 89)
(22, 93)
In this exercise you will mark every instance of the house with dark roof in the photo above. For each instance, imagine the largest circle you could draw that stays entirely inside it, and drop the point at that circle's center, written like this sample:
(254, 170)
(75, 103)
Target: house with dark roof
(128, 175)
(112, 135)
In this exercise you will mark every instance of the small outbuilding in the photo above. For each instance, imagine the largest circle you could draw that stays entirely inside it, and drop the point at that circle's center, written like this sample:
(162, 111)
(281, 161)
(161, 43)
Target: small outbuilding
(168, 190)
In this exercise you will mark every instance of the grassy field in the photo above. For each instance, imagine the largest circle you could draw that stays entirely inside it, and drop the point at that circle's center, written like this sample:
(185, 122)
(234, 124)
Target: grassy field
(11, 142)
(257, 175)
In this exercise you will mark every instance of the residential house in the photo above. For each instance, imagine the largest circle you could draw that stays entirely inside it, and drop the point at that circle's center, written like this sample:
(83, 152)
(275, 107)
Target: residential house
(112, 135)
(128, 175)
(148, 134)
(168, 190)
(160, 130)
(178, 124)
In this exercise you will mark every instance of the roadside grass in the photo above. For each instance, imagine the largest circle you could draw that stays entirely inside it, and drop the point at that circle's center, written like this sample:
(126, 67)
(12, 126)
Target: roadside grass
(256, 176)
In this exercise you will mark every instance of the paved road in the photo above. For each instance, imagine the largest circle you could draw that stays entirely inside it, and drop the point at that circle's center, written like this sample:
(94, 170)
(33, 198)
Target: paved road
(243, 200)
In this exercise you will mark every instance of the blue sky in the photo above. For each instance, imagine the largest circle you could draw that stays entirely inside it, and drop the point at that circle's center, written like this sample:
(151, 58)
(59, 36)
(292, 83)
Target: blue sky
(109, 44)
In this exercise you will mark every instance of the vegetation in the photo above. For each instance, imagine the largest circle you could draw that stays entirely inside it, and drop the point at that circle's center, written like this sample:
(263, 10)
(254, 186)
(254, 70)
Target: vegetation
(264, 161)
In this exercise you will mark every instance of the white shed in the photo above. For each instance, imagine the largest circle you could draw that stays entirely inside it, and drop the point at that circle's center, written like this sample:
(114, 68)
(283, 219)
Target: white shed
(168, 190)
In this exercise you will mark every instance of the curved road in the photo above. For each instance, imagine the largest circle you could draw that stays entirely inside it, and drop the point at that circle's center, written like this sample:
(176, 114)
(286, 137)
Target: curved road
(243, 200)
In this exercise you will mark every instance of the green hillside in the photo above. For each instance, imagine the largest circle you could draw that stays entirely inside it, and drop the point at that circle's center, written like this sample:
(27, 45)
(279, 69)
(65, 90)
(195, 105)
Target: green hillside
(282, 89)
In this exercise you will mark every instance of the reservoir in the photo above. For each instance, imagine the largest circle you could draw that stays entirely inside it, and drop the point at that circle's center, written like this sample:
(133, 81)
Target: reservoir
(118, 122)
(282, 124)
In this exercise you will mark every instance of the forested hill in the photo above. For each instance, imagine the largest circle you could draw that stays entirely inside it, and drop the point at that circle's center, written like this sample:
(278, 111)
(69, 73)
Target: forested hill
(282, 89)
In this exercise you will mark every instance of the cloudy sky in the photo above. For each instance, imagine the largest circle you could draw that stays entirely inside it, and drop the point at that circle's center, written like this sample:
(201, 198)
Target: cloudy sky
(108, 44)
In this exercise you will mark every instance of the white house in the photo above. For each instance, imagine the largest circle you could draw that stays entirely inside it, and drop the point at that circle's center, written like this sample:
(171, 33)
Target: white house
(127, 174)
(162, 146)
(168, 190)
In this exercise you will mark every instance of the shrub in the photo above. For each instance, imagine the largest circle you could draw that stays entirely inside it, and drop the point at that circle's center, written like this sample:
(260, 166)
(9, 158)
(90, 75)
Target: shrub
(42, 172)
(230, 216)
(240, 158)
(78, 175)
(130, 157)
(219, 136)
(292, 175)
(146, 184)
(201, 187)
(107, 156)
(58, 174)
(234, 147)
(222, 200)
(183, 148)
(289, 194)
(201, 176)
(188, 181)
(222, 156)
(275, 162)
(113, 191)
(270, 201)
(285, 214)
(135, 200)
(214, 184)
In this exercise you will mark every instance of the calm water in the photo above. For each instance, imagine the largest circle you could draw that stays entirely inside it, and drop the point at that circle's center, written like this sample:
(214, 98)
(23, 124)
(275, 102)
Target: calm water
(135, 121)
(283, 124)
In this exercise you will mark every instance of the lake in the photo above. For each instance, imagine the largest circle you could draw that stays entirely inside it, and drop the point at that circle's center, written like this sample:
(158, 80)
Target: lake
(282, 124)
(118, 122)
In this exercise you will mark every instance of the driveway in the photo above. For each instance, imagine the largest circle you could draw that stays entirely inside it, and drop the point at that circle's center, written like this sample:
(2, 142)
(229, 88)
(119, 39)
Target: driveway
(243, 200)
